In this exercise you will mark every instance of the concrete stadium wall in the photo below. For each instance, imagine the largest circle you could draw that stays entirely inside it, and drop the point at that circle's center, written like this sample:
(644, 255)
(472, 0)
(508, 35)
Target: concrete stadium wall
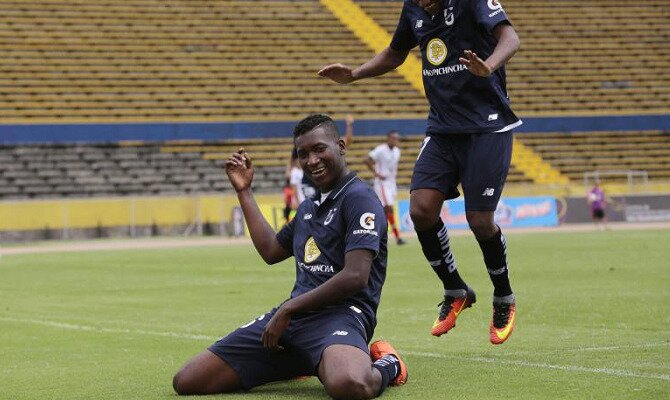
(106, 133)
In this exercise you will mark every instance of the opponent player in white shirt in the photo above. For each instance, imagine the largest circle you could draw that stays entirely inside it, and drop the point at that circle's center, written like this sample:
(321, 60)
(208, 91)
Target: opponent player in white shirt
(383, 162)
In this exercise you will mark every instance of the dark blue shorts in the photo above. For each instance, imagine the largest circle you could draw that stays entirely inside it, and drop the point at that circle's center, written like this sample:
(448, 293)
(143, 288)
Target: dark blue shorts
(304, 341)
(479, 162)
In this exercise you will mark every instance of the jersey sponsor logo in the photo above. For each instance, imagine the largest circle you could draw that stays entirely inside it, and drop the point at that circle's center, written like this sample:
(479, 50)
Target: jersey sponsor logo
(317, 268)
(367, 220)
(436, 52)
(340, 333)
(312, 251)
(329, 217)
(365, 232)
(488, 192)
(495, 6)
(444, 70)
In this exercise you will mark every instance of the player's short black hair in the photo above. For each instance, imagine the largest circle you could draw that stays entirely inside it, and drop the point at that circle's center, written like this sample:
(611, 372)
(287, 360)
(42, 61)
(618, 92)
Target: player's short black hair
(312, 121)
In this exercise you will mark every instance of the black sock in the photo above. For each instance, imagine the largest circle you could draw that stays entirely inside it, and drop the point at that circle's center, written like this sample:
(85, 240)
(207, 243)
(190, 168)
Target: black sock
(389, 367)
(495, 258)
(435, 246)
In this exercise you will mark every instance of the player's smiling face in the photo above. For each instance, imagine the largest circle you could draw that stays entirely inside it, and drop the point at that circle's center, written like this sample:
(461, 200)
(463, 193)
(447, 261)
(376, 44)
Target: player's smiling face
(321, 157)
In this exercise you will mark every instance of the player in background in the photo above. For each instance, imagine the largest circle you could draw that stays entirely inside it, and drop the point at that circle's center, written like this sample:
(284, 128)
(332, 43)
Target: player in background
(464, 47)
(597, 203)
(296, 179)
(383, 162)
(289, 201)
(339, 244)
(306, 189)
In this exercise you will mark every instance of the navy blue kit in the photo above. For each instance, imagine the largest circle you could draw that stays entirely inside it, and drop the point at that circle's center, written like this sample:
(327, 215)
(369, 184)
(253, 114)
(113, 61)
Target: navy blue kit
(468, 113)
(321, 233)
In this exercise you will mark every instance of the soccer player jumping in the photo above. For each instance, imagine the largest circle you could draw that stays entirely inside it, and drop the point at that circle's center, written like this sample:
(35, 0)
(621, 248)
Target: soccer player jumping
(464, 46)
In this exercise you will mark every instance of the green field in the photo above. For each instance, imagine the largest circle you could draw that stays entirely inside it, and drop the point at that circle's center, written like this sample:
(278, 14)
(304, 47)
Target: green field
(593, 320)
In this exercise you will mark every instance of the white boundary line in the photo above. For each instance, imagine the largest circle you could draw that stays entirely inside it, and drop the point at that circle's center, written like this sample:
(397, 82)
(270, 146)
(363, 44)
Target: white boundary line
(488, 360)
(87, 328)
(521, 363)
(173, 243)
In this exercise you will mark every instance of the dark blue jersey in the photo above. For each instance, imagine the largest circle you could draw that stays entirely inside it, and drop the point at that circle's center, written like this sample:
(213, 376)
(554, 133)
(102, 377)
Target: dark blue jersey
(460, 102)
(350, 218)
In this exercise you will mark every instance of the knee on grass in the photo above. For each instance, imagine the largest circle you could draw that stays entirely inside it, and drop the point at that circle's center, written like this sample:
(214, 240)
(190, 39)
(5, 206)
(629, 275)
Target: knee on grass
(349, 386)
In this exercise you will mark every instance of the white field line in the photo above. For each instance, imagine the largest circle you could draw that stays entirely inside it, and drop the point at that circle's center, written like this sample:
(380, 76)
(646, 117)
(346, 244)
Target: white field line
(124, 244)
(163, 243)
(87, 328)
(528, 364)
(488, 360)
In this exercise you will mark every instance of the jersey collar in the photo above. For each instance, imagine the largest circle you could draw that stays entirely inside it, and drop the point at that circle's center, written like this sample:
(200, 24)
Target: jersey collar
(349, 178)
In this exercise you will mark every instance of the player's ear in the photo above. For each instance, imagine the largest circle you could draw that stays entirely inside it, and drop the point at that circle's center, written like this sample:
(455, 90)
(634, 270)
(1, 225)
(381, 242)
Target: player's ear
(343, 147)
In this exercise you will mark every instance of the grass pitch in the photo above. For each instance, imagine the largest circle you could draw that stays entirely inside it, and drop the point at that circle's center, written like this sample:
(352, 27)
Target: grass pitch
(593, 317)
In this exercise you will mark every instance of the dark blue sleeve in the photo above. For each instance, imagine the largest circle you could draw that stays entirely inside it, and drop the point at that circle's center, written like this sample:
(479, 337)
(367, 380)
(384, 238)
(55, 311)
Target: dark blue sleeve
(365, 221)
(285, 235)
(489, 13)
(403, 38)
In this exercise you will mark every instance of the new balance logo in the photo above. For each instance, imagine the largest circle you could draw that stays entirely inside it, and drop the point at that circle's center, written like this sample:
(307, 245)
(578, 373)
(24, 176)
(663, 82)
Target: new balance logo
(488, 192)
(307, 216)
(340, 333)
(419, 24)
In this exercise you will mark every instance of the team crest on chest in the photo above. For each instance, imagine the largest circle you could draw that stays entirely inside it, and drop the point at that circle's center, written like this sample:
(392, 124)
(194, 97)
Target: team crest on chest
(312, 251)
(436, 51)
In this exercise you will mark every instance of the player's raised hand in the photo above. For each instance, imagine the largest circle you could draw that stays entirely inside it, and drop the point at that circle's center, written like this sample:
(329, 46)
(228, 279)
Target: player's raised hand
(239, 170)
(475, 65)
(339, 73)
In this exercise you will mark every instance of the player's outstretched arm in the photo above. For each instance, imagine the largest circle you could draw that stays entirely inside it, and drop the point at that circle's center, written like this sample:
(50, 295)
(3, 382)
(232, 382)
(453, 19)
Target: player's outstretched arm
(240, 172)
(380, 64)
(508, 44)
(350, 280)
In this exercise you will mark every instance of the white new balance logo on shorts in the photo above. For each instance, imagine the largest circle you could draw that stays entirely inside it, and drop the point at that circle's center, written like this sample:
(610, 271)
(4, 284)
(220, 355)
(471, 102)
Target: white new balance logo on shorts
(340, 333)
(488, 192)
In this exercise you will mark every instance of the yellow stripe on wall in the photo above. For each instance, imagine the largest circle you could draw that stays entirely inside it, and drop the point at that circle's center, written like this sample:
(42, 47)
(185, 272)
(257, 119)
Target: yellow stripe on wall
(368, 31)
(120, 211)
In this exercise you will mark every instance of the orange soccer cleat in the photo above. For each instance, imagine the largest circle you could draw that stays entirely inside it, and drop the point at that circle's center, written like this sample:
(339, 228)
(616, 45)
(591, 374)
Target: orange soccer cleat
(502, 322)
(450, 309)
(381, 348)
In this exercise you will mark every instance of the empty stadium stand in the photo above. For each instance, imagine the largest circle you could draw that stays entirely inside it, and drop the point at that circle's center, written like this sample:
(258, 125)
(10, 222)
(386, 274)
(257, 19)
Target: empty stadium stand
(581, 57)
(576, 153)
(179, 168)
(150, 60)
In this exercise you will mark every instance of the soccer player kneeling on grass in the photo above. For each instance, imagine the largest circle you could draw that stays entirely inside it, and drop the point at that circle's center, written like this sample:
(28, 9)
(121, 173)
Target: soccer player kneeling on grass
(339, 243)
